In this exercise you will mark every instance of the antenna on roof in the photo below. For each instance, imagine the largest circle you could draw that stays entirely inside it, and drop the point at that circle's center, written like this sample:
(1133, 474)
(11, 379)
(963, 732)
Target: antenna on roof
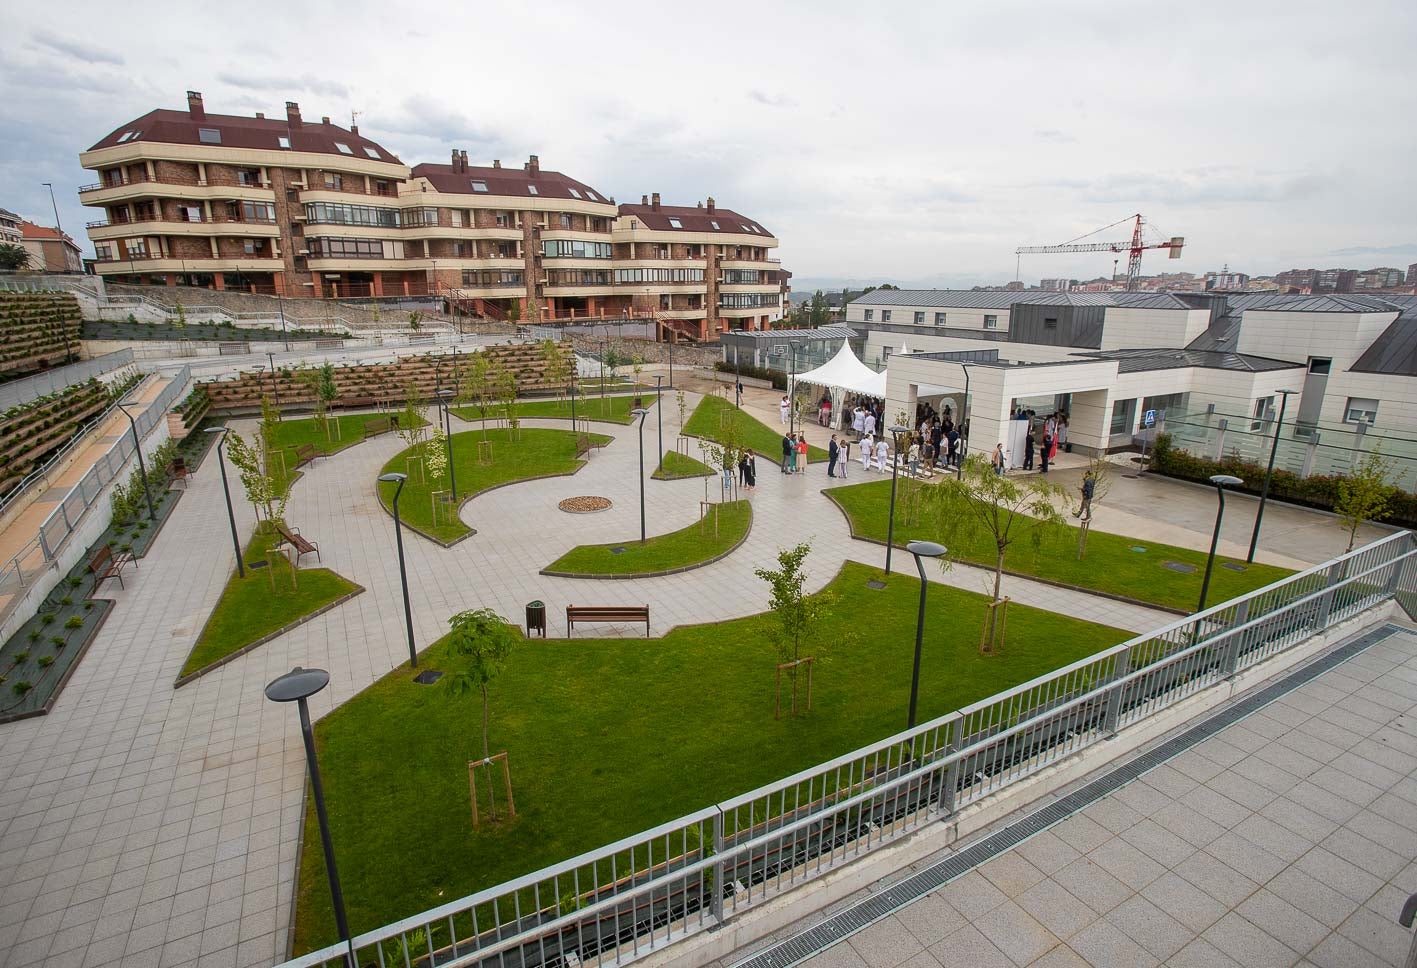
(354, 117)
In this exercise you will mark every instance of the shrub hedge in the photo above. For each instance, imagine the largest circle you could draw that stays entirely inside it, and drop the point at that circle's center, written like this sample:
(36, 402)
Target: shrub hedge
(777, 377)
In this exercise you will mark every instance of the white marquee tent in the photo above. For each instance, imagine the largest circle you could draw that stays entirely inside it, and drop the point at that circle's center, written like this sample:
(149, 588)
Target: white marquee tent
(847, 373)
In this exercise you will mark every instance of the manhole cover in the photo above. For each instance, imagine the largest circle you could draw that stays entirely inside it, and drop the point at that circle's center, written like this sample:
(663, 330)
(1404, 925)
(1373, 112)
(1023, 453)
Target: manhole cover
(584, 504)
(1138, 548)
(878, 585)
(1232, 566)
(617, 551)
(1178, 566)
(427, 677)
(253, 565)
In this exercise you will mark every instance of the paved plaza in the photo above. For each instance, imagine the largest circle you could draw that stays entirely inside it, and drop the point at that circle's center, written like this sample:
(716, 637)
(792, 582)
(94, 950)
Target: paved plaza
(147, 827)
(1288, 838)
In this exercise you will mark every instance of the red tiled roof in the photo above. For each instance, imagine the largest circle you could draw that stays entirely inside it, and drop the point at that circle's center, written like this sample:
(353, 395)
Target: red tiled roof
(694, 219)
(43, 233)
(505, 181)
(180, 128)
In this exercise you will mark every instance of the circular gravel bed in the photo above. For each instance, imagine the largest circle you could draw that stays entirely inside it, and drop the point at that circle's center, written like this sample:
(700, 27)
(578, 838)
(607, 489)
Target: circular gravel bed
(584, 504)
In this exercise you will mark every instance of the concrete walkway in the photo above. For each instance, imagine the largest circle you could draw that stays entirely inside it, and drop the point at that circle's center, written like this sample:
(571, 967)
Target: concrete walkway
(1288, 838)
(146, 827)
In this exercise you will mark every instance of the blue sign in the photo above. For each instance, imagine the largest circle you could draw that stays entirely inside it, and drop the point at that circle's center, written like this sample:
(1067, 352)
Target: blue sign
(1149, 419)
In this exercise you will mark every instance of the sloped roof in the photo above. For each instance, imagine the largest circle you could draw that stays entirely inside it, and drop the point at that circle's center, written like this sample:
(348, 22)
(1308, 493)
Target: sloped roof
(515, 182)
(980, 298)
(1395, 350)
(43, 233)
(180, 128)
(695, 219)
(1299, 303)
(1142, 360)
(844, 371)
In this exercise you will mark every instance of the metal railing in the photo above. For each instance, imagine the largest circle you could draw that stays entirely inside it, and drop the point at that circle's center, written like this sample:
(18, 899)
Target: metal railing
(639, 894)
(29, 388)
(42, 550)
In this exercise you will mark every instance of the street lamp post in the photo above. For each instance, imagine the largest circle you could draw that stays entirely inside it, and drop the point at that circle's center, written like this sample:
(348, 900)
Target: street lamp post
(297, 686)
(659, 415)
(896, 432)
(737, 379)
(792, 390)
(1268, 473)
(50, 186)
(142, 468)
(602, 375)
(226, 489)
(642, 413)
(444, 398)
(275, 387)
(284, 335)
(399, 479)
(921, 550)
(573, 407)
(964, 416)
(1221, 482)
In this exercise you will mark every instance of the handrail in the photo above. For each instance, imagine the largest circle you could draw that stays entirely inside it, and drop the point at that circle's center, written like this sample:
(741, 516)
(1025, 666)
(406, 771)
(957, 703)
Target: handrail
(696, 872)
(19, 392)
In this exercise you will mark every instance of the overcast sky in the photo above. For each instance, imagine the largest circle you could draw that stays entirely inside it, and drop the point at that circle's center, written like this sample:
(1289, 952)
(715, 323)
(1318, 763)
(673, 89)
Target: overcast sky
(917, 142)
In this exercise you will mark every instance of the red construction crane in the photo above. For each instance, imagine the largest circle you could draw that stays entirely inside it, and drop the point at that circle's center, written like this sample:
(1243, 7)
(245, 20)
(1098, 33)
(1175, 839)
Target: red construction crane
(1134, 248)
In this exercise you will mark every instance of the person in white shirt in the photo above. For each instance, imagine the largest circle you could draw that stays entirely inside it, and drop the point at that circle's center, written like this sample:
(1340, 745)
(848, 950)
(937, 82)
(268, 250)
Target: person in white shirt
(868, 451)
(882, 453)
(912, 457)
(870, 425)
(858, 420)
(783, 408)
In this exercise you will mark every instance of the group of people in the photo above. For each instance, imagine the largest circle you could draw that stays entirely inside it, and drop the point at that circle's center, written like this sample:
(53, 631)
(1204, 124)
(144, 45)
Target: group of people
(794, 453)
(748, 470)
(1042, 441)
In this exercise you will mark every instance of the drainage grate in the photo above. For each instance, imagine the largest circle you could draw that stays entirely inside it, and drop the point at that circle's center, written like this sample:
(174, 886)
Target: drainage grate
(1178, 566)
(841, 926)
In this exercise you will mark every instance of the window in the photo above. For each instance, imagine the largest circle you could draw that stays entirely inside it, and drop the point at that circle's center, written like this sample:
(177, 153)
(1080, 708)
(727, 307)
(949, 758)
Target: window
(1319, 365)
(674, 223)
(565, 221)
(189, 213)
(991, 322)
(283, 141)
(870, 314)
(321, 248)
(1260, 416)
(1361, 410)
(479, 186)
(460, 250)
(342, 148)
(209, 136)
(919, 318)
(574, 193)
(1123, 415)
(136, 247)
(124, 136)
(420, 216)
(745, 228)
(715, 225)
(484, 278)
(631, 276)
(741, 277)
(333, 180)
(939, 319)
(252, 246)
(103, 252)
(1050, 322)
(258, 212)
(372, 153)
(531, 190)
(634, 224)
(591, 195)
(574, 249)
(747, 300)
(885, 315)
(328, 213)
(249, 177)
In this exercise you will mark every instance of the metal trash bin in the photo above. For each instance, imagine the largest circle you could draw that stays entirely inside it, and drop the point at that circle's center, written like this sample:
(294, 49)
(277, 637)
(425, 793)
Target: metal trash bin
(536, 618)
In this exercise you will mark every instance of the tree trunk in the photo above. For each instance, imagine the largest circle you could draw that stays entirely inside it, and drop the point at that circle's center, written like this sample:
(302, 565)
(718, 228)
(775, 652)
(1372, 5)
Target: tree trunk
(486, 749)
(1353, 535)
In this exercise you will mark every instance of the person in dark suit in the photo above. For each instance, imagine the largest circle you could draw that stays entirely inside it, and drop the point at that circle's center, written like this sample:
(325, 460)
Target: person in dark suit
(1028, 451)
(833, 451)
(786, 451)
(750, 470)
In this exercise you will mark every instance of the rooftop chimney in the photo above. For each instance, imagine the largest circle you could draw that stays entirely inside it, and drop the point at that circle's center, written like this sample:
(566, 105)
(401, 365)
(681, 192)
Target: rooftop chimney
(462, 157)
(710, 205)
(292, 112)
(534, 166)
(644, 199)
(701, 205)
(455, 160)
(260, 115)
(325, 120)
(496, 162)
(654, 201)
(353, 128)
(194, 105)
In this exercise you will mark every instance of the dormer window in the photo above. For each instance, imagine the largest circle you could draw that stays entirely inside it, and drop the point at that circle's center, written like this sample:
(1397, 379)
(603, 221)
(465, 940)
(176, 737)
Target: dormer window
(745, 228)
(124, 136)
(371, 152)
(479, 186)
(715, 226)
(531, 190)
(343, 148)
(574, 193)
(591, 195)
(209, 136)
(674, 223)
(284, 142)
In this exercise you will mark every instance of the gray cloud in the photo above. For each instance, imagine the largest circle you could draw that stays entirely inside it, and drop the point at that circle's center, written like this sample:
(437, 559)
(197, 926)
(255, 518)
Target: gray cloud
(772, 100)
(288, 85)
(72, 48)
(1054, 135)
(1407, 248)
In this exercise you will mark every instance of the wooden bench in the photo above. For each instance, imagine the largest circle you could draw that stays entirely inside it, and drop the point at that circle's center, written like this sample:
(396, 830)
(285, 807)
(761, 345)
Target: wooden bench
(179, 471)
(606, 613)
(305, 454)
(584, 445)
(105, 565)
(372, 428)
(299, 542)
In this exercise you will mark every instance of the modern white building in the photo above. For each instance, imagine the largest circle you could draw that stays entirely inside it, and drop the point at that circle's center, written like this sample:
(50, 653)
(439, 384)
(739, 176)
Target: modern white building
(1109, 358)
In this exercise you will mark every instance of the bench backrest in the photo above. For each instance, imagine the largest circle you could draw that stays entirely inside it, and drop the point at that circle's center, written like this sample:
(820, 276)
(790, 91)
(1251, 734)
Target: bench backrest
(607, 610)
(101, 558)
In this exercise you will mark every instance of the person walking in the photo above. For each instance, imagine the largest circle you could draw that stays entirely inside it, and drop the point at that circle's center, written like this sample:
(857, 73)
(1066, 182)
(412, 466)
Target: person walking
(801, 453)
(1028, 451)
(998, 460)
(743, 470)
(952, 457)
(783, 408)
(883, 453)
(845, 455)
(868, 450)
(750, 470)
(833, 452)
(912, 457)
(1063, 434)
(870, 424)
(1089, 487)
(786, 452)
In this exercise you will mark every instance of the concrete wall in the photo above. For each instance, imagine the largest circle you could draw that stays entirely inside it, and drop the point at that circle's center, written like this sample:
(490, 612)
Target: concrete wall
(1149, 328)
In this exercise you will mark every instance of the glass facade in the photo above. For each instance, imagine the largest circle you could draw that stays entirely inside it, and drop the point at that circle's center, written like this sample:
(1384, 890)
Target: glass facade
(574, 249)
(328, 213)
(631, 276)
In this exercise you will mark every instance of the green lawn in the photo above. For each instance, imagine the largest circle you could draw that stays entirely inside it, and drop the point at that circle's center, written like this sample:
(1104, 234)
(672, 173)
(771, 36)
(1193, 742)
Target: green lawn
(536, 453)
(1110, 564)
(610, 409)
(763, 440)
(608, 737)
(679, 549)
(250, 608)
(677, 466)
(346, 430)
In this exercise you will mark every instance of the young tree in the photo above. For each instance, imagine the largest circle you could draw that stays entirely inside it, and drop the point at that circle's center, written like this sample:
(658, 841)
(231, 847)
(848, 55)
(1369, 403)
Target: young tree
(683, 405)
(514, 311)
(980, 505)
(798, 617)
(505, 386)
(613, 359)
(477, 385)
(479, 644)
(1366, 493)
(13, 256)
(326, 391)
(262, 489)
(415, 321)
(1101, 473)
(413, 425)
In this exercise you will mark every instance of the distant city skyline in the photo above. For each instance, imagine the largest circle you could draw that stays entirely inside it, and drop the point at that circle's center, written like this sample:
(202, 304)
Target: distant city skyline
(961, 139)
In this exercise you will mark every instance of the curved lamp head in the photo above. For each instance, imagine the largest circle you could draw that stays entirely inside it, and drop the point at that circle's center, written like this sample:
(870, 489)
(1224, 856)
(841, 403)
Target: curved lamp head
(297, 684)
(1225, 480)
(216, 430)
(898, 430)
(393, 478)
(641, 412)
(926, 549)
(445, 392)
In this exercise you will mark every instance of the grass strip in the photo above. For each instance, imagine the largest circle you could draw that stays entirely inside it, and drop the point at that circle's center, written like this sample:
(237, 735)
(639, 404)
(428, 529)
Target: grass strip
(708, 419)
(675, 551)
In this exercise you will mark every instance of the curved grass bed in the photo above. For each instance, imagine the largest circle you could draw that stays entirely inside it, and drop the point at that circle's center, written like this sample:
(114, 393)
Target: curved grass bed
(757, 436)
(535, 453)
(1110, 565)
(255, 609)
(664, 554)
(346, 430)
(677, 467)
(609, 409)
(608, 737)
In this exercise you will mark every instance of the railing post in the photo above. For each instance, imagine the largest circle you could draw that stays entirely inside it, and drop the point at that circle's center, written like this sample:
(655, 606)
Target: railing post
(1326, 603)
(716, 905)
(1114, 694)
(43, 547)
(1231, 663)
(956, 743)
